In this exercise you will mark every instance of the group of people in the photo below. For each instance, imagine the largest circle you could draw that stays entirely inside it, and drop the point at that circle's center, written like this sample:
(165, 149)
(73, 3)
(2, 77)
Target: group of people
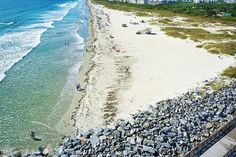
(66, 43)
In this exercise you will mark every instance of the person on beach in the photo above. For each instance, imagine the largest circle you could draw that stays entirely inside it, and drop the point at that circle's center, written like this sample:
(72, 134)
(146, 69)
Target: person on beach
(78, 87)
(32, 135)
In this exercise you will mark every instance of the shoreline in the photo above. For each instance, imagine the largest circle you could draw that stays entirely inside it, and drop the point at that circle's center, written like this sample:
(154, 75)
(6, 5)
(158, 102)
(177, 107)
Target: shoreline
(112, 73)
(119, 81)
(68, 119)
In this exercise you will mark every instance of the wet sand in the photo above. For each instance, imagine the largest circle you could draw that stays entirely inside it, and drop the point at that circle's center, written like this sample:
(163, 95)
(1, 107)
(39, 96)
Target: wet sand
(67, 124)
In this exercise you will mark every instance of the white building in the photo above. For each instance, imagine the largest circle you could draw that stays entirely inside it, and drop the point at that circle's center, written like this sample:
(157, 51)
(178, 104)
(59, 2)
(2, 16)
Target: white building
(230, 1)
(157, 2)
(129, 1)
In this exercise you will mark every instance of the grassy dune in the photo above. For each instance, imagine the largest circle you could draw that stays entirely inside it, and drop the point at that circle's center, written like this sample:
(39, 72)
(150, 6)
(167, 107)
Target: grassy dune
(230, 72)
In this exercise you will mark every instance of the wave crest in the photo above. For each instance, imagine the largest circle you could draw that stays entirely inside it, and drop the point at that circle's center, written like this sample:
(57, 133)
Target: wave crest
(7, 23)
(15, 45)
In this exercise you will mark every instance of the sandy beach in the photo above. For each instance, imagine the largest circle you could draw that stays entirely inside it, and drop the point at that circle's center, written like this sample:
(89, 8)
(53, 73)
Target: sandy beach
(117, 78)
(126, 72)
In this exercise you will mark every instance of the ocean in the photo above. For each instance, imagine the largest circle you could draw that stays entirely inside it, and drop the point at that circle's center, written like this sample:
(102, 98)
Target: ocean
(41, 49)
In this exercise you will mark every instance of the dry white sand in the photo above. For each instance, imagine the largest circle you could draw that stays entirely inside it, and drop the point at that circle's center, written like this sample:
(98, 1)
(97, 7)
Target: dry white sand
(159, 67)
(164, 66)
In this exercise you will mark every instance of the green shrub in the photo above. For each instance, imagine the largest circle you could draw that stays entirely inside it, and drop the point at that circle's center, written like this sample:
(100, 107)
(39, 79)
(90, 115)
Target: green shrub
(230, 72)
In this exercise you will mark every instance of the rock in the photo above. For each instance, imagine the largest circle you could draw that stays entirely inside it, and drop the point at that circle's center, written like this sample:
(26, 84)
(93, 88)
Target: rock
(124, 25)
(174, 122)
(68, 151)
(220, 112)
(17, 154)
(120, 129)
(37, 152)
(163, 138)
(209, 126)
(185, 134)
(231, 110)
(166, 145)
(114, 155)
(205, 114)
(111, 36)
(85, 134)
(165, 130)
(183, 121)
(99, 155)
(97, 132)
(171, 134)
(147, 142)
(181, 142)
(83, 139)
(153, 129)
(131, 140)
(230, 117)
(117, 134)
(107, 132)
(45, 152)
(102, 137)
(60, 150)
(94, 140)
(149, 149)
(139, 140)
(145, 31)
(132, 131)
(125, 152)
(193, 139)
(206, 135)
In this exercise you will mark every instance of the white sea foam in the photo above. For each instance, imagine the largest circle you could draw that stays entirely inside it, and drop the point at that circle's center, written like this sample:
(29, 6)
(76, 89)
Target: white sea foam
(58, 15)
(7, 23)
(43, 24)
(61, 5)
(15, 45)
(80, 40)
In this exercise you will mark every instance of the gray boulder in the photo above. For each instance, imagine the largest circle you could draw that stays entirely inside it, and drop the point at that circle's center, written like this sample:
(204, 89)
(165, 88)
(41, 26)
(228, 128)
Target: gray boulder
(94, 140)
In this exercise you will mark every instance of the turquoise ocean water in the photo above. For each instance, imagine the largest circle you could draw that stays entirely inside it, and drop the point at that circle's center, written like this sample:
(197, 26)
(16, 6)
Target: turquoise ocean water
(41, 48)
